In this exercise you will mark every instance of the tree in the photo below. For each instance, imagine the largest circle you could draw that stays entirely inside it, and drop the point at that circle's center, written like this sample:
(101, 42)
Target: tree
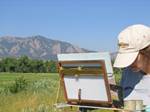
(26, 65)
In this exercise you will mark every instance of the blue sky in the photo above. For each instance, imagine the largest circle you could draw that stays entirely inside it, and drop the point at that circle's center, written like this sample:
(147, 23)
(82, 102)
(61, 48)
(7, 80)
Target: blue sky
(90, 24)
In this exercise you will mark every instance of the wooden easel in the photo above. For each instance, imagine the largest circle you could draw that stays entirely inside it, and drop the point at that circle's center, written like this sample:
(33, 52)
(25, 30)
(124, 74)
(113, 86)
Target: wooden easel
(78, 66)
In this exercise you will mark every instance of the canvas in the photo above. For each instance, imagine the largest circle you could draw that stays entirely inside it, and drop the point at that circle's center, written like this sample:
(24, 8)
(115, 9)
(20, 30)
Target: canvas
(85, 78)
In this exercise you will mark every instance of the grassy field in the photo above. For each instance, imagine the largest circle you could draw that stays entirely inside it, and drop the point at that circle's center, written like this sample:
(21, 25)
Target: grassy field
(38, 96)
(37, 92)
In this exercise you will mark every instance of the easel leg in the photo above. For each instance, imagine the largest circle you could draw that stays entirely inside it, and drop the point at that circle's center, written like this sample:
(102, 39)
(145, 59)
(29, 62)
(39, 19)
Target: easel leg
(58, 91)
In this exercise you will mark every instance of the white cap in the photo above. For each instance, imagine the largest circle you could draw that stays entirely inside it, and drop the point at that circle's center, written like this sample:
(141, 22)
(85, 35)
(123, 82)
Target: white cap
(131, 40)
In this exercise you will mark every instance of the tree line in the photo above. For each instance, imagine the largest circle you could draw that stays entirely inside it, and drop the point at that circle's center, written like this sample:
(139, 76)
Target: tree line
(26, 65)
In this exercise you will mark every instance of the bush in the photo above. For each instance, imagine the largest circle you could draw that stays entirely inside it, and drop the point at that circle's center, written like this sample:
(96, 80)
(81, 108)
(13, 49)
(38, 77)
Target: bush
(19, 85)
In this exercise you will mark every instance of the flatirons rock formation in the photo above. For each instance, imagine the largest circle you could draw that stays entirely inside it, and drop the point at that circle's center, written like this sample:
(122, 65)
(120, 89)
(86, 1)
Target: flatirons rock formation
(36, 47)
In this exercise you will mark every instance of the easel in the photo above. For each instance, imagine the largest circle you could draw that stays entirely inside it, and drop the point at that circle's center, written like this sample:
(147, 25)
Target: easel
(85, 108)
(94, 67)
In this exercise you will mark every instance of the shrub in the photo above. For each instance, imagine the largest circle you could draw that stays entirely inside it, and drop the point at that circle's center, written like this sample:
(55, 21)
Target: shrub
(19, 85)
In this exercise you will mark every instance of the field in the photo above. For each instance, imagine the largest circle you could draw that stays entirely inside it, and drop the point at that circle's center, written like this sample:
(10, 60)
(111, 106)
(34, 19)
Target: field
(37, 92)
(29, 92)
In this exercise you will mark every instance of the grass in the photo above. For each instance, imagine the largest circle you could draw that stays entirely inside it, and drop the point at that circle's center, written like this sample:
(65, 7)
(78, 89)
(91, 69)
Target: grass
(39, 96)
(7, 78)
(40, 92)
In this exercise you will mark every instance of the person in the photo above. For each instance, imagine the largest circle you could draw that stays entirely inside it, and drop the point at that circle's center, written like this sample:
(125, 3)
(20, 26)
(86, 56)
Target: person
(134, 58)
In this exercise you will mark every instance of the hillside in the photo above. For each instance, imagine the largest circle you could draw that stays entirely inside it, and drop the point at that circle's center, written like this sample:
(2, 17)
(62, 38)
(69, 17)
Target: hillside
(36, 47)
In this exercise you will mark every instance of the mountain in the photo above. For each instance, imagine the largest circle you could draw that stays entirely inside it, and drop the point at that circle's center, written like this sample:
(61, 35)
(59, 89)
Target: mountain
(36, 47)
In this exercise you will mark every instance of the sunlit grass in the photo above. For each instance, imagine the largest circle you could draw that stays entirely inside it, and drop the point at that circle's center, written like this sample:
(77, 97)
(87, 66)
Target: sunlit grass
(40, 95)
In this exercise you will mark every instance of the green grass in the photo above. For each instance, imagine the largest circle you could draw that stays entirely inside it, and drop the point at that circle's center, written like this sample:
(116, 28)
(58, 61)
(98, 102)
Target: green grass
(40, 95)
(7, 78)
(40, 92)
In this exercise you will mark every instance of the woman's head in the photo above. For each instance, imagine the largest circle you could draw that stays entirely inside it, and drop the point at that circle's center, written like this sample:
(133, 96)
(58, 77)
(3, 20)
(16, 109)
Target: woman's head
(146, 52)
(142, 62)
(132, 41)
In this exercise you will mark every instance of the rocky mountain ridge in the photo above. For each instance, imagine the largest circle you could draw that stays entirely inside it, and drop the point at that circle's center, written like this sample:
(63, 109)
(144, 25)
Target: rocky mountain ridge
(36, 47)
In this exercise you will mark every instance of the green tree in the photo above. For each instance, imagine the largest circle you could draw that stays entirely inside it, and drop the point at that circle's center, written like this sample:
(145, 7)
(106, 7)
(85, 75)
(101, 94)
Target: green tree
(23, 64)
(26, 65)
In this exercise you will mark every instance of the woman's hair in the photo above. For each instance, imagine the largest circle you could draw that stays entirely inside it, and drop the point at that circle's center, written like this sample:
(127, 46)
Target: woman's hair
(146, 51)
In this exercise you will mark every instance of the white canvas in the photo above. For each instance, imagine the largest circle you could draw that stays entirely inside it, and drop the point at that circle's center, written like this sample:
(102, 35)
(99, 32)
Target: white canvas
(92, 87)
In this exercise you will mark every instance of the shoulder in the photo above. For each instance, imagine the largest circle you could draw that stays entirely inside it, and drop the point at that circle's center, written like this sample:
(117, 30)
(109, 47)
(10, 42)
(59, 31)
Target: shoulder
(128, 72)
(130, 78)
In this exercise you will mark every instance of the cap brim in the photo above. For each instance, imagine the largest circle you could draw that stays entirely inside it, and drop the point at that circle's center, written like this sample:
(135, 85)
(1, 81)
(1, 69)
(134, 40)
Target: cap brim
(125, 59)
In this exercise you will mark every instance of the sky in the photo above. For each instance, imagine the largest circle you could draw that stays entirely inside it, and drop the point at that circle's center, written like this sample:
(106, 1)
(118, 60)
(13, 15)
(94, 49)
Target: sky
(89, 24)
